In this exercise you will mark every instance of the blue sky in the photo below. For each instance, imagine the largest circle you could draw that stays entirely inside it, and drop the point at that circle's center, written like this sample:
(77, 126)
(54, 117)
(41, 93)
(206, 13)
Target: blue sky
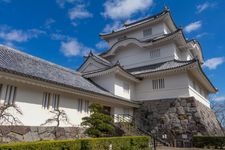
(62, 31)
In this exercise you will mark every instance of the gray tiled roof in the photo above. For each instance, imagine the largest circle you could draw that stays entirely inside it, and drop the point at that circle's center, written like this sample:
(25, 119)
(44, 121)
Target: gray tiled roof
(102, 60)
(17, 62)
(159, 67)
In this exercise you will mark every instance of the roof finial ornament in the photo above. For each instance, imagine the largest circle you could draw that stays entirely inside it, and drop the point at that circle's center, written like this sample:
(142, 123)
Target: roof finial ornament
(117, 63)
(91, 53)
(166, 8)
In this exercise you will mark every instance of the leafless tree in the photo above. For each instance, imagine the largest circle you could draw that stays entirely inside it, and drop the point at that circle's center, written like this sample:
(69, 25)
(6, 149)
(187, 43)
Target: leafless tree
(59, 117)
(7, 115)
(219, 109)
(8, 119)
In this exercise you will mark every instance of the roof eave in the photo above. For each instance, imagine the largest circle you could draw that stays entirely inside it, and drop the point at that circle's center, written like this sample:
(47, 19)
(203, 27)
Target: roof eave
(132, 26)
(115, 69)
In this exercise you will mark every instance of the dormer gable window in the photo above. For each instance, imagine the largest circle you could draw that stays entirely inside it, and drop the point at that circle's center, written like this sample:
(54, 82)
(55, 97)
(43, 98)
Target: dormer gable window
(147, 32)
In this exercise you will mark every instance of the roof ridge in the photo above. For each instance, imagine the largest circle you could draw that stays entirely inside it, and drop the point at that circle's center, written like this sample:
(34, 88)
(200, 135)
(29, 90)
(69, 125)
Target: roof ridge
(39, 59)
(146, 18)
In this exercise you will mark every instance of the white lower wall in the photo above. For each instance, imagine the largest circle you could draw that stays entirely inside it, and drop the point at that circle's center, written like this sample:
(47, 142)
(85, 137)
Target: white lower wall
(199, 97)
(29, 100)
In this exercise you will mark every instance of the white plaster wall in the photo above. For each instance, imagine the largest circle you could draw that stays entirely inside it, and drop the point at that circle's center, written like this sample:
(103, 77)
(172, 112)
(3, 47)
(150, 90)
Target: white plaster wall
(200, 93)
(119, 88)
(183, 54)
(133, 56)
(106, 81)
(29, 100)
(157, 29)
(199, 97)
(175, 86)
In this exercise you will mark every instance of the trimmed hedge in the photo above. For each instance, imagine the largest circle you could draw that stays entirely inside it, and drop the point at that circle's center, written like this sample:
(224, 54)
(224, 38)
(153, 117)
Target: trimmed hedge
(209, 141)
(118, 143)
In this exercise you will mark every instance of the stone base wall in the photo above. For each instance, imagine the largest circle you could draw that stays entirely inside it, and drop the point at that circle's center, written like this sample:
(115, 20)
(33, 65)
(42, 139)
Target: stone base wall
(176, 119)
(25, 133)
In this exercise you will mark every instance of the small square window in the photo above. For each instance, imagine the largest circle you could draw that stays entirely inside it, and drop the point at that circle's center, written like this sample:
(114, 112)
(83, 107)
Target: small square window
(147, 32)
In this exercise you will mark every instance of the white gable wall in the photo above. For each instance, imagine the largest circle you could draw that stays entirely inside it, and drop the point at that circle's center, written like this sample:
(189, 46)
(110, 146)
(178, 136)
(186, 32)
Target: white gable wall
(91, 65)
(133, 56)
(115, 84)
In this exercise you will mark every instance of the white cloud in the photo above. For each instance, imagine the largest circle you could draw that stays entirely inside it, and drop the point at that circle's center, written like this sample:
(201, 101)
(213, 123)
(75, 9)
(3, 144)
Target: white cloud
(79, 12)
(201, 35)
(102, 45)
(193, 26)
(219, 98)
(15, 35)
(62, 3)
(113, 26)
(121, 9)
(58, 36)
(49, 22)
(213, 63)
(204, 6)
(73, 48)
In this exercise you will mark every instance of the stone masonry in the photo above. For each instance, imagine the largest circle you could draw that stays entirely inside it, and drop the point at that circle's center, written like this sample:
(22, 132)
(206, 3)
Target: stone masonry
(25, 133)
(179, 118)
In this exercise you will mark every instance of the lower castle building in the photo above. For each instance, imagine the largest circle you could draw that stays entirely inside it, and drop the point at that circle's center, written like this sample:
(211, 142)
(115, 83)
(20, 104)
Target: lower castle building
(150, 72)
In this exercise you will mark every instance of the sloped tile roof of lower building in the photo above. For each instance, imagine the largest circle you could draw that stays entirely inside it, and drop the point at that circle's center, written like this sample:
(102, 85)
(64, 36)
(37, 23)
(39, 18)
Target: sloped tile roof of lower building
(159, 66)
(16, 62)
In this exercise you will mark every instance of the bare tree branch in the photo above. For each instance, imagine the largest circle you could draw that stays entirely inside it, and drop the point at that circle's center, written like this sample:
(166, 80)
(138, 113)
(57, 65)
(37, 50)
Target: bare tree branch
(7, 115)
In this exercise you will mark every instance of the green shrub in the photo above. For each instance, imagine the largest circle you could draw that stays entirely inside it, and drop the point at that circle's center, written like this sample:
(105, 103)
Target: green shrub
(118, 143)
(209, 141)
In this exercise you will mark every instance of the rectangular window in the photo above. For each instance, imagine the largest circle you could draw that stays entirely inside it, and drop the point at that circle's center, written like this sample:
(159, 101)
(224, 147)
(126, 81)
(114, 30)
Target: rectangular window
(86, 106)
(10, 95)
(126, 88)
(155, 53)
(80, 105)
(158, 84)
(55, 101)
(147, 32)
(1, 85)
(46, 100)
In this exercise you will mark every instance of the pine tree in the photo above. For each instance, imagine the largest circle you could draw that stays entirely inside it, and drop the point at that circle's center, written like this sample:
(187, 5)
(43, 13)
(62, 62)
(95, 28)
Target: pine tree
(98, 123)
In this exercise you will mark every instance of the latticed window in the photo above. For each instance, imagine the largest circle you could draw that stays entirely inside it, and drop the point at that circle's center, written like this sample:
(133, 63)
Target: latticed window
(80, 105)
(1, 90)
(10, 94)
(46, 100)
(155, 53)
(147, 32)
(158, 84)
(86, 106)
(55, 101)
